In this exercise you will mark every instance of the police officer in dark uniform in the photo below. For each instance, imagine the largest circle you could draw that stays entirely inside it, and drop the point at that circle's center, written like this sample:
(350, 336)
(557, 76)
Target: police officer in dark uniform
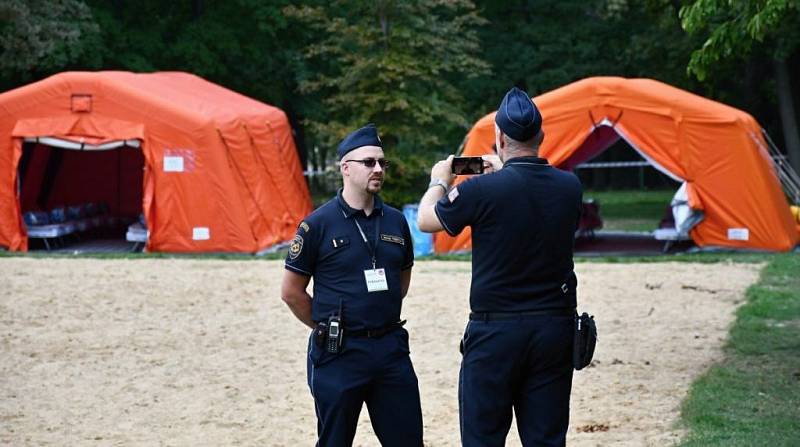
(360, 254)
(517, 345)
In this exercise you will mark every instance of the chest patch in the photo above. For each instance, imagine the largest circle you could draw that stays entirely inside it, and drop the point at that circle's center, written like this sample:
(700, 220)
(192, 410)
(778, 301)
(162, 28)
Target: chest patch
(339, 242)
(393, 239)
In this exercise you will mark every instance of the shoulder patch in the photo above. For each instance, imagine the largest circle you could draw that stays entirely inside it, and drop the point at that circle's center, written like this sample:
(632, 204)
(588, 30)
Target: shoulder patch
(453, 194)
(296, 247)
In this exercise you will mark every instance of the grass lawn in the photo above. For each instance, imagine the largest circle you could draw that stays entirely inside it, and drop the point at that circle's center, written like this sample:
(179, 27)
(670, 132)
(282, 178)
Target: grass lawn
(632, 210)
(752, 398)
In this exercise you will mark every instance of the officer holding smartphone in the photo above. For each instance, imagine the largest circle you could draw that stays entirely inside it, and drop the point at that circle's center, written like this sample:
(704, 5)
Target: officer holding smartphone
(360, 254)
(517, 347)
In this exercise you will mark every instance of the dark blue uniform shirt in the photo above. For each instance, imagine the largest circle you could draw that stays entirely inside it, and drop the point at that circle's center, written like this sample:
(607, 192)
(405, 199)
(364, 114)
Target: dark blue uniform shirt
(329, 247)
(523, 219)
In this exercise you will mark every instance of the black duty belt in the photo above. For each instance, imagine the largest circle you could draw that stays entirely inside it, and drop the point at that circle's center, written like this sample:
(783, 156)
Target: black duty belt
(375, 333)
(498, 316)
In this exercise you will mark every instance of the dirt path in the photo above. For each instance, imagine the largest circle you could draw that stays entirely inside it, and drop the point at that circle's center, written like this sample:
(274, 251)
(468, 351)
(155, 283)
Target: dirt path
(193, 352)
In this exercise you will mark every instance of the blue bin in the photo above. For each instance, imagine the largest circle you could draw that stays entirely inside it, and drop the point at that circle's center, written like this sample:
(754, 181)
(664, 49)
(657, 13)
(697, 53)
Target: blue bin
(423, 242)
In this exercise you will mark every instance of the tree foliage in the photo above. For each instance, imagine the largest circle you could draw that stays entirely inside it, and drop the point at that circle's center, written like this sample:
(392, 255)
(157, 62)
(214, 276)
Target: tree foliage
(422, 70)
(394, 63)
(238, 43)
(39, 35)
(747, 29)
(544, 44)
(736, 26)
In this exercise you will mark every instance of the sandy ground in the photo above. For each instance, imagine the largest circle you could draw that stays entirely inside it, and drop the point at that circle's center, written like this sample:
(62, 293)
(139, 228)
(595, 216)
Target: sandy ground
(204, 353)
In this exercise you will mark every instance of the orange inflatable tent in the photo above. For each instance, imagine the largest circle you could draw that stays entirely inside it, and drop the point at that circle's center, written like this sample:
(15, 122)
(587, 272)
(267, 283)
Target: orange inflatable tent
(210, 169)
(718, 151)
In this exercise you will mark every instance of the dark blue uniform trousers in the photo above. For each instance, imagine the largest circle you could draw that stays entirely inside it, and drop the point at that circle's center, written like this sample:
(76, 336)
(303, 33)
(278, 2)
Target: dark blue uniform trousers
(375, 371)
(524, 364)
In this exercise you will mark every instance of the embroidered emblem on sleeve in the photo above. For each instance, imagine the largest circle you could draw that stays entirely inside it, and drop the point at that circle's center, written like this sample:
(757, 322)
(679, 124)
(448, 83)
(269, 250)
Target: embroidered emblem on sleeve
(453, 194)
(296, 247)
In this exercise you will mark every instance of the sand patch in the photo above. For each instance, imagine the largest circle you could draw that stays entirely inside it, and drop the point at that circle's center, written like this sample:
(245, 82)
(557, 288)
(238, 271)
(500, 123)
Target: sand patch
(196, 352)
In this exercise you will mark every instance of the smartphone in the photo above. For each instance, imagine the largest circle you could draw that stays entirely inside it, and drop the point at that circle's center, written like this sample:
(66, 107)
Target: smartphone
(467, 165)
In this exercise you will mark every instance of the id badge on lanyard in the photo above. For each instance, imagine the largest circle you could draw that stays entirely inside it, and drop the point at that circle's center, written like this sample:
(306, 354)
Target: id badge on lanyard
(376, 280)
(374, 277)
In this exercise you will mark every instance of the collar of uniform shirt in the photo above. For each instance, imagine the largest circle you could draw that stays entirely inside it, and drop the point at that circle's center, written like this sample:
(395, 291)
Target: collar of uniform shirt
(532, 160)
(350, 212)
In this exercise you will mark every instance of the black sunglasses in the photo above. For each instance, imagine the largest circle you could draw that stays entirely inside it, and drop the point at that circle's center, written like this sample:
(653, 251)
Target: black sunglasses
(370, 162)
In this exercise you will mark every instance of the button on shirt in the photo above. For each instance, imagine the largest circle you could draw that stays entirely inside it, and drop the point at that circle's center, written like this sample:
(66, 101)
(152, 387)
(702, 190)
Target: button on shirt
(329, 247)
(523, 220)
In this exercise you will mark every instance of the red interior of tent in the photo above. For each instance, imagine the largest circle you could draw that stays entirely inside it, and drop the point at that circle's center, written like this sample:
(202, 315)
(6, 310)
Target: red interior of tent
(595, 144)
(114, 177)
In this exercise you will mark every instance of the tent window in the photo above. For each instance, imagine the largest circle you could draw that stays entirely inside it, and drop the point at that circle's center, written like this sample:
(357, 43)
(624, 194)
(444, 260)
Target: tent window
(81, 103)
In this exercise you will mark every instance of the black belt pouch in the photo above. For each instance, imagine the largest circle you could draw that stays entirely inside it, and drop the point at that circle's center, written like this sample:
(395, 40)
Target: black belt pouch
(585, 340)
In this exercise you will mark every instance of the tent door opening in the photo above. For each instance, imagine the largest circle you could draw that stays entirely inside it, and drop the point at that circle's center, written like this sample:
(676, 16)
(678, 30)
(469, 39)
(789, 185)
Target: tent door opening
(607, 160)
(80, 196)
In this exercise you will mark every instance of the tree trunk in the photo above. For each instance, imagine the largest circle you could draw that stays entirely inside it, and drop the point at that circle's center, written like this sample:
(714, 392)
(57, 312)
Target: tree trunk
(383, 16)
(788, 117)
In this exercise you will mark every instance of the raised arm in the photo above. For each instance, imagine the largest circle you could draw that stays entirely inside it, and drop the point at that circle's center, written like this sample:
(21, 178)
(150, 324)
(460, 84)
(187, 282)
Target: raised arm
(441, 180)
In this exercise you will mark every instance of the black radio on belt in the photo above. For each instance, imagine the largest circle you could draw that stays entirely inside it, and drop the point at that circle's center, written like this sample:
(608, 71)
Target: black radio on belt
(333, 342)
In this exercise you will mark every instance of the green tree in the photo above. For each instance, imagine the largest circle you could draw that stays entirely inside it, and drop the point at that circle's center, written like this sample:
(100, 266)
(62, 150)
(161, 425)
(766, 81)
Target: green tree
(241, 44)
(42, 35)
(249, 46)
(394, 63)
(545, 44)
(737, 28)
(541, 45)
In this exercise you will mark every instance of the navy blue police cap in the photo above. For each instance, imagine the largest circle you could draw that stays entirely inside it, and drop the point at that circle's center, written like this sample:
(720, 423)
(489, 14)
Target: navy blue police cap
(518, 116)
(366, 136)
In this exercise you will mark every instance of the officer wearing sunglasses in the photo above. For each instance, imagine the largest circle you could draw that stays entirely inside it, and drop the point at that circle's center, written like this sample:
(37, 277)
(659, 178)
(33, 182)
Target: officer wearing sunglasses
(371, 162)
(359, 252)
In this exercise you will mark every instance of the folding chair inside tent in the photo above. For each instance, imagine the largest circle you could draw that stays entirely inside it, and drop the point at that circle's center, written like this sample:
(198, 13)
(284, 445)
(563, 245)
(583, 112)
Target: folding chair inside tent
(49, 227)
(138, 234)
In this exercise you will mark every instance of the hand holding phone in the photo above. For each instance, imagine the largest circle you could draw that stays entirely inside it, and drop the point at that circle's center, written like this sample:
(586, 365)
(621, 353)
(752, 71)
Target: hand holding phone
(467, 165)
